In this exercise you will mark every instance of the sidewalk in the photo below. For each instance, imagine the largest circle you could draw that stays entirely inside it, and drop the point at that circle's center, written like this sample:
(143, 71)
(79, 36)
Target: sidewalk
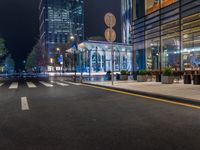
(176, 91)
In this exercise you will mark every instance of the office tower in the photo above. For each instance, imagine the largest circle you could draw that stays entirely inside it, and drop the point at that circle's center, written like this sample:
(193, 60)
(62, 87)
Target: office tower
(59, 19)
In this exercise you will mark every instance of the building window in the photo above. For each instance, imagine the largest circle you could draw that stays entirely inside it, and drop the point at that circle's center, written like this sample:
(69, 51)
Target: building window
(171, 52)
(165, 3)
(191, 43)
(154, 5)
(152, 54)
(140, 56)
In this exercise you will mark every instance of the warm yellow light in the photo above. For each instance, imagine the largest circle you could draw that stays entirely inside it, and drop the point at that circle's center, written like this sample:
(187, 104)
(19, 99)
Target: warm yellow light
(51, 60)
(72, 37)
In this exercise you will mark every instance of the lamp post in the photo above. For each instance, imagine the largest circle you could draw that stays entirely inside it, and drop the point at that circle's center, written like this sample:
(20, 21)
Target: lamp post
(61, 56)
(72, 38)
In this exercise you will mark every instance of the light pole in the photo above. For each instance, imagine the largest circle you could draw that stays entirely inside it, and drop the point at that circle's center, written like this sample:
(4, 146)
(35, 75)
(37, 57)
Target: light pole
(58, 50)
(72, 38)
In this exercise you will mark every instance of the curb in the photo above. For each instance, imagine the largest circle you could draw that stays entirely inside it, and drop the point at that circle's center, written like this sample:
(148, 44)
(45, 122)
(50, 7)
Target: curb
(170, 98)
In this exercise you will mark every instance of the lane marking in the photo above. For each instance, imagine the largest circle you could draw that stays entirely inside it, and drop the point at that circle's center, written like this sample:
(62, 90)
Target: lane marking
(14, 85)
(24, 104)
(31, 85)
(59, 83)
(1, 84)
(72, 83)
(46, 84)
(146, 97)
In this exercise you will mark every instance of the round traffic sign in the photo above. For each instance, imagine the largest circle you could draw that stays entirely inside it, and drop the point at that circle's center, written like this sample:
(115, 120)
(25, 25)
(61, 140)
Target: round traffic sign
(110, 35)
(110, 20)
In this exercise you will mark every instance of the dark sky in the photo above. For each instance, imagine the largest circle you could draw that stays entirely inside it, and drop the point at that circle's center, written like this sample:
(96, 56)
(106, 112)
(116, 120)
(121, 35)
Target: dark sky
(19, 23)
(94, 16)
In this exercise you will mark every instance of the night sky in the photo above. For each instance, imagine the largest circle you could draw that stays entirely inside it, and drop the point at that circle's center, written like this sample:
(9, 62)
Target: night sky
(19, 23)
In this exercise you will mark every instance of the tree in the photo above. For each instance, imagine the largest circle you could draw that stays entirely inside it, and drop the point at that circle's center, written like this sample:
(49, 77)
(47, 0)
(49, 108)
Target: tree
(3, 50)
(9, 64)
(31, 60)
(36, 59)
(41, 55)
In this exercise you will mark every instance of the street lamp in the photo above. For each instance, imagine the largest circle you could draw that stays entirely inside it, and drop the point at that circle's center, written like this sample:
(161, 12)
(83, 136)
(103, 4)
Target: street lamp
(72, 38)
(61, 56)
(58, 49)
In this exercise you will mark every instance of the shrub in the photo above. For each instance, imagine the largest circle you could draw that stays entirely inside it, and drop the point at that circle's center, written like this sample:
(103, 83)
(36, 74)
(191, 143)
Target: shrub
(142, 72)
(124, 72)
(168, 72)
(109, 72)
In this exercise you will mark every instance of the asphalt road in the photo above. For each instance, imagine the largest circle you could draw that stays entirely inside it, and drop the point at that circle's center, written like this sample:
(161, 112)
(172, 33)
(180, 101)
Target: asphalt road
(64, 116)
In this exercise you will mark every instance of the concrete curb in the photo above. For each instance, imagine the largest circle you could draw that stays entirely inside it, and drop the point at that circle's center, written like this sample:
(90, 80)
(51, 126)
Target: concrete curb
(171, 98)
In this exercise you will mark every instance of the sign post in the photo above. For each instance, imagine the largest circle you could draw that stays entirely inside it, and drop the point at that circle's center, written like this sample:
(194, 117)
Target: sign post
(110, 35)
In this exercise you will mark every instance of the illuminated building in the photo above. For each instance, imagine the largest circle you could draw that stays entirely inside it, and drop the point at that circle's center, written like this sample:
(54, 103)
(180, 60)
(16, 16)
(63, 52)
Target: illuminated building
(58, 20)
(127, 12)
(166, 33)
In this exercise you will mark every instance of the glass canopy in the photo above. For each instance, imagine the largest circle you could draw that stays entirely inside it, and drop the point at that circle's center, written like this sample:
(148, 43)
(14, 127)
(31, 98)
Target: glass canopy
(95, 56)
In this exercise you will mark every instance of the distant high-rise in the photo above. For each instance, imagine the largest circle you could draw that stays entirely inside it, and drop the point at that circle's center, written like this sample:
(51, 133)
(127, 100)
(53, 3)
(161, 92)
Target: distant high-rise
(77, 18)
(127, 12)
(58, 20)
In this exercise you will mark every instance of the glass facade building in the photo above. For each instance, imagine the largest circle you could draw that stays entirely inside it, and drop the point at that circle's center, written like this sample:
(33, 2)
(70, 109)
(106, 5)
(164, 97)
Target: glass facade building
(95, 57)
(166, 33)
(58, 20)
(127, 12)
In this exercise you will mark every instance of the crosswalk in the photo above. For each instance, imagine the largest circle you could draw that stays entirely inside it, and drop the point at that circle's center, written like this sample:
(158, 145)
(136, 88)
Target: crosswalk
(14, 85)
(31, 85)
(1, 84)
(60, 83)
(46, 84)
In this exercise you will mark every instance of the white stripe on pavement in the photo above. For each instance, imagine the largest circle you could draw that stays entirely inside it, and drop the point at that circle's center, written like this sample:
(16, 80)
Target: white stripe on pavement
(46, 84)
(59, 83)
(24, 104)
(31, 85)
(14, 85)
(73, 83)
(1, 84)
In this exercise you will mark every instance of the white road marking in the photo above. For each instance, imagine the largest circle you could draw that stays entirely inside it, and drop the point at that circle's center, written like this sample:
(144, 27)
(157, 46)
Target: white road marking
(14, 85)
(59, 83)
(46, 84)
(1, 84)
(24, 104)
(31, 85)
(73, 83)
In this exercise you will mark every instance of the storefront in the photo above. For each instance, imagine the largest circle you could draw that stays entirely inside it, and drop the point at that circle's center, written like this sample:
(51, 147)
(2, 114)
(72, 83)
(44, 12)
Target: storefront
(96, 57)
(168, 35)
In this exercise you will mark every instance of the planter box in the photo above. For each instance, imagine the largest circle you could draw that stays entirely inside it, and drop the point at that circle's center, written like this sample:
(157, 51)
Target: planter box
(123, 77)
(167, 79)
(141, 78)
